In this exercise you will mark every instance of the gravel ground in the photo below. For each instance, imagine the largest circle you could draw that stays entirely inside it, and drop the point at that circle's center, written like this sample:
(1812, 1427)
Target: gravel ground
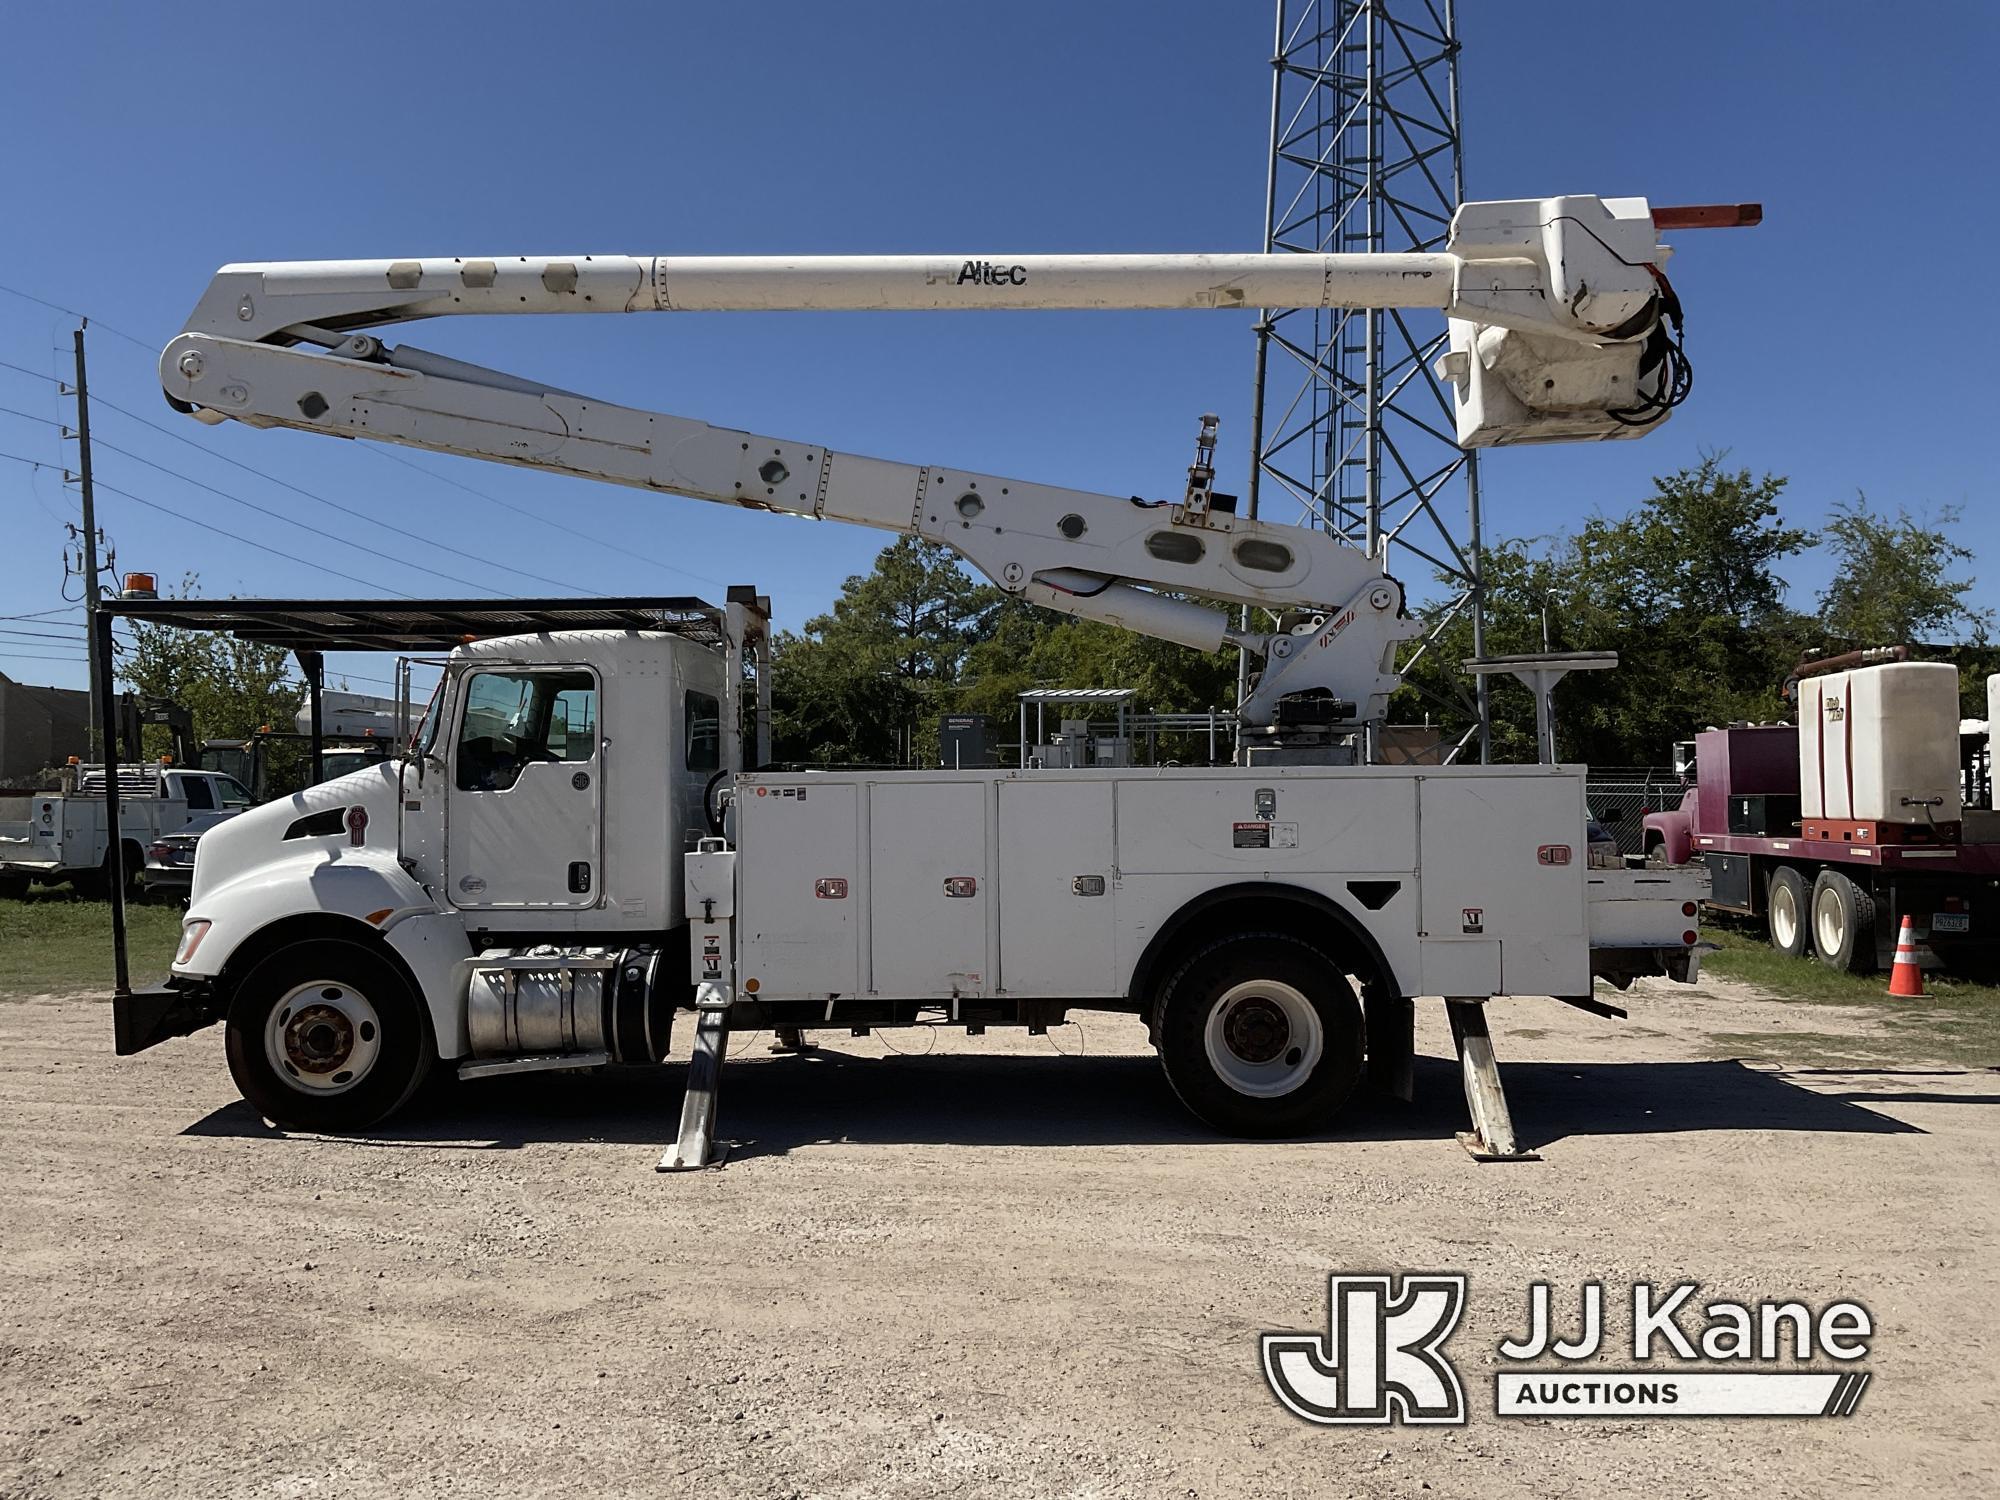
(993, 1269)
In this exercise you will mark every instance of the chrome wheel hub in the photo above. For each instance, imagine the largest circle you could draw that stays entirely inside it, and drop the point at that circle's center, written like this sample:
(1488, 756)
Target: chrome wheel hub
(323, 1037)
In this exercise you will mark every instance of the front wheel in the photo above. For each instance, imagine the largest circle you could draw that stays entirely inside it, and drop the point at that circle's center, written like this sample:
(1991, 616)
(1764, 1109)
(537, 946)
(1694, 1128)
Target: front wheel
(1261, 1035)
(325, 1035)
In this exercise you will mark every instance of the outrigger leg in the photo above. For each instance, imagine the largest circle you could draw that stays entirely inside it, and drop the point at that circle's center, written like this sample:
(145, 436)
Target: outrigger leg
(696, 1147)
(1492, 1135)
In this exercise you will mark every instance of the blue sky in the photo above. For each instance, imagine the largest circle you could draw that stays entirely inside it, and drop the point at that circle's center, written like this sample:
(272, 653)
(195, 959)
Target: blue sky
(148, 145)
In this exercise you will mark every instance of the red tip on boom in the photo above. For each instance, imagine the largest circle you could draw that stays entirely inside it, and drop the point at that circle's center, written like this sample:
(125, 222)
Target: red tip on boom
(1709, 216)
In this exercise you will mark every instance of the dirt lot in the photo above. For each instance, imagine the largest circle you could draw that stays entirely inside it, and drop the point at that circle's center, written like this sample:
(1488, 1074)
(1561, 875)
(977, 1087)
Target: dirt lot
(993, 1269)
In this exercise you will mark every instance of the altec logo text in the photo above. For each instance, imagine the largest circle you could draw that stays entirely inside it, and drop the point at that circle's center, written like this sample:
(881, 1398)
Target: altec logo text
(986, 273)
(1382, 1360)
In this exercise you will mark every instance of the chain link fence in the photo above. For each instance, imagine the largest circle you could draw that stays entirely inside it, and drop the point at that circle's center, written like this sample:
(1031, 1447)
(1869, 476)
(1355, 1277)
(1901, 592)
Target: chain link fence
(1621, 796)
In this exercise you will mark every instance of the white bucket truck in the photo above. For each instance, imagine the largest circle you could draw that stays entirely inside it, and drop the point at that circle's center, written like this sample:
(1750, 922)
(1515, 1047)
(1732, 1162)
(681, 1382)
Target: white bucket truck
(580, 844)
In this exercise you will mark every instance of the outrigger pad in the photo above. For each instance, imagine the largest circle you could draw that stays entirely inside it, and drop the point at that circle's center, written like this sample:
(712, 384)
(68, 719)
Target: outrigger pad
(145, 1018)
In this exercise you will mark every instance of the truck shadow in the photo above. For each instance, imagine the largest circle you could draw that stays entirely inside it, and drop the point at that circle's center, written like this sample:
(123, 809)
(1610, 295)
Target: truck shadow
(772, 1107)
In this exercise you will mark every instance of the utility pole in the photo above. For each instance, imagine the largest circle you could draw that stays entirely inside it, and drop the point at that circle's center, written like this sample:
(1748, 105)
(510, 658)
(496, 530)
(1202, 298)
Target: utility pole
(99, 691)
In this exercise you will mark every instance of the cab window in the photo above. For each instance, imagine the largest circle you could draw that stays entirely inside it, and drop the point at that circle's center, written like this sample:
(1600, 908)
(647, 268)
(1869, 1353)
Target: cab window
(231, 790)
(200, 798)
(701, 717)
(512, 719)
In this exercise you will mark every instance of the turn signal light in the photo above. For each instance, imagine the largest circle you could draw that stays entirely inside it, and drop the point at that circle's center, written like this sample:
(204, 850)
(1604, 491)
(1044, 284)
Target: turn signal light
(1688, 908)
(191, 936)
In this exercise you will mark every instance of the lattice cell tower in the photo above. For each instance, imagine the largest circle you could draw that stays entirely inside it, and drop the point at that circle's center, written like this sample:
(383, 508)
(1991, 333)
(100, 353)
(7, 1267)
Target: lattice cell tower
(1351, 430)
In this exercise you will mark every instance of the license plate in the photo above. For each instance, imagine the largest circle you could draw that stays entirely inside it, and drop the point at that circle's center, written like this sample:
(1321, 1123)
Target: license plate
(1951, 921)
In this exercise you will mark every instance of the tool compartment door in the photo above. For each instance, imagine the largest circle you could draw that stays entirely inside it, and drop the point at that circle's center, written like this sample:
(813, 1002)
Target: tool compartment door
(799, 888)
(929, 888)
(1055, 888)
(1503, 872)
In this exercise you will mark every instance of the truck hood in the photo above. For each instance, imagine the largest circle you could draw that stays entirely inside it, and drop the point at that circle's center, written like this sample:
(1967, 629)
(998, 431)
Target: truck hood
(312, 820)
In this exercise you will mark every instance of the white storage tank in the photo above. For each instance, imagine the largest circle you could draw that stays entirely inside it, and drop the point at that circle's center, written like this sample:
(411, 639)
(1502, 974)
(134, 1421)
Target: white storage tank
(1878, 744)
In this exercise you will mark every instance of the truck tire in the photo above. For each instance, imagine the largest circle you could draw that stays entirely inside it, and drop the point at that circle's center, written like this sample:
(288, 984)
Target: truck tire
(95, 885)
(1843, 924)
(1261, 1035)
(325, 1035)
(1785, 907)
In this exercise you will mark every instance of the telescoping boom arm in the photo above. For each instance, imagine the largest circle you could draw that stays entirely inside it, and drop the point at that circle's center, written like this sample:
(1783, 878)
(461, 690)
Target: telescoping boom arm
(1557, 307)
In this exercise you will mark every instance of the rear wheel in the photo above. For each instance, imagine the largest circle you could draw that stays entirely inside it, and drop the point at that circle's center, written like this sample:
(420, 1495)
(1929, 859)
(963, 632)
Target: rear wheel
(95, 885)
(1261, 1035)
(325, 1035)
(1785, 913)
(1843, 923)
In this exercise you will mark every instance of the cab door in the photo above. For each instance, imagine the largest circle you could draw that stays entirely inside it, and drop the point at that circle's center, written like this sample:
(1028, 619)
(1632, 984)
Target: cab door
(523, 821)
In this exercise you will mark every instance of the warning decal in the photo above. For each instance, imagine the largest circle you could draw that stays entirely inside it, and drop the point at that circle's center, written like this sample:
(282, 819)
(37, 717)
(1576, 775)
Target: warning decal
(1264, 835)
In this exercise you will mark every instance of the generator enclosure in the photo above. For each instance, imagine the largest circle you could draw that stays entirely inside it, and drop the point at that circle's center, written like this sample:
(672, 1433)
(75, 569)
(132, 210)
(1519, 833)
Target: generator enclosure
(1880, 744)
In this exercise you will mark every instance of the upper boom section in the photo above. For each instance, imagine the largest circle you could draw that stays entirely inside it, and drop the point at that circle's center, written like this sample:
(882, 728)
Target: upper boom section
(1556, 307)
(1578, 266)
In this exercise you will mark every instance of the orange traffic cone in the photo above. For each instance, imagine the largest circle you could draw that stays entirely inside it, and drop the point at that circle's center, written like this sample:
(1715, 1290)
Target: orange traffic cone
(1906, 976)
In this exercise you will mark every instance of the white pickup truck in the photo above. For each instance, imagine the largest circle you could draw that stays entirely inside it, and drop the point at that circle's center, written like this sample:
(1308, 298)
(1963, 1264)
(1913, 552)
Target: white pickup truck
(47, 837)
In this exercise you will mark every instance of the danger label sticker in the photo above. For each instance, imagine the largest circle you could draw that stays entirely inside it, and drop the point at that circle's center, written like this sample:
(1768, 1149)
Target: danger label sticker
(1264, 835)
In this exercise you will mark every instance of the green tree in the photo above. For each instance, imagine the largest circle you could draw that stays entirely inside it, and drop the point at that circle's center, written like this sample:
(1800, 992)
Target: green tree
(1686, 588)
(229, 687)
(1892, 580)
(918, 637)
(864, 682)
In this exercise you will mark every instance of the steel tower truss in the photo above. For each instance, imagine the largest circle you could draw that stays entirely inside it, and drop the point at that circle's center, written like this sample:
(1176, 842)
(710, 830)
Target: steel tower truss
(1349, 425)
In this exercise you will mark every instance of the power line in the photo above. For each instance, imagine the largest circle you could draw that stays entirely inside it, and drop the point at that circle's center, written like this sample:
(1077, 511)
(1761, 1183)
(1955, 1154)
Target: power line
(620, 549)
(624, 551)
(274, 551)
(362, 515)
(26, 416)
(71, 312)
(36, 463)
(253, 505)
(39, 613)
(24, 370)
(278, 515)
(490, 562)
(30, 656)
(46, 635)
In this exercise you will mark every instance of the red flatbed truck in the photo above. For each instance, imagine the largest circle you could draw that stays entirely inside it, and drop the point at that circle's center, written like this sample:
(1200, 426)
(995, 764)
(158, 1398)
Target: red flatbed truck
(1790, 820)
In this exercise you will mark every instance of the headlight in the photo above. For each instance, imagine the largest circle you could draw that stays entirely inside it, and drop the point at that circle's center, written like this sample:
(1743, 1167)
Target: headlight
(191, 935)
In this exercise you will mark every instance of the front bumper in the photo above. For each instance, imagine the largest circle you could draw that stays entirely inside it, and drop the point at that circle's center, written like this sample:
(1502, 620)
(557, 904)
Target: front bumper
(147, 1017)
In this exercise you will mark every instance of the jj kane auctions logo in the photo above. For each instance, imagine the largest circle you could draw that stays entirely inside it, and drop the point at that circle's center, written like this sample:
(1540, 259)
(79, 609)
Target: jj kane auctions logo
(1382, 1360)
